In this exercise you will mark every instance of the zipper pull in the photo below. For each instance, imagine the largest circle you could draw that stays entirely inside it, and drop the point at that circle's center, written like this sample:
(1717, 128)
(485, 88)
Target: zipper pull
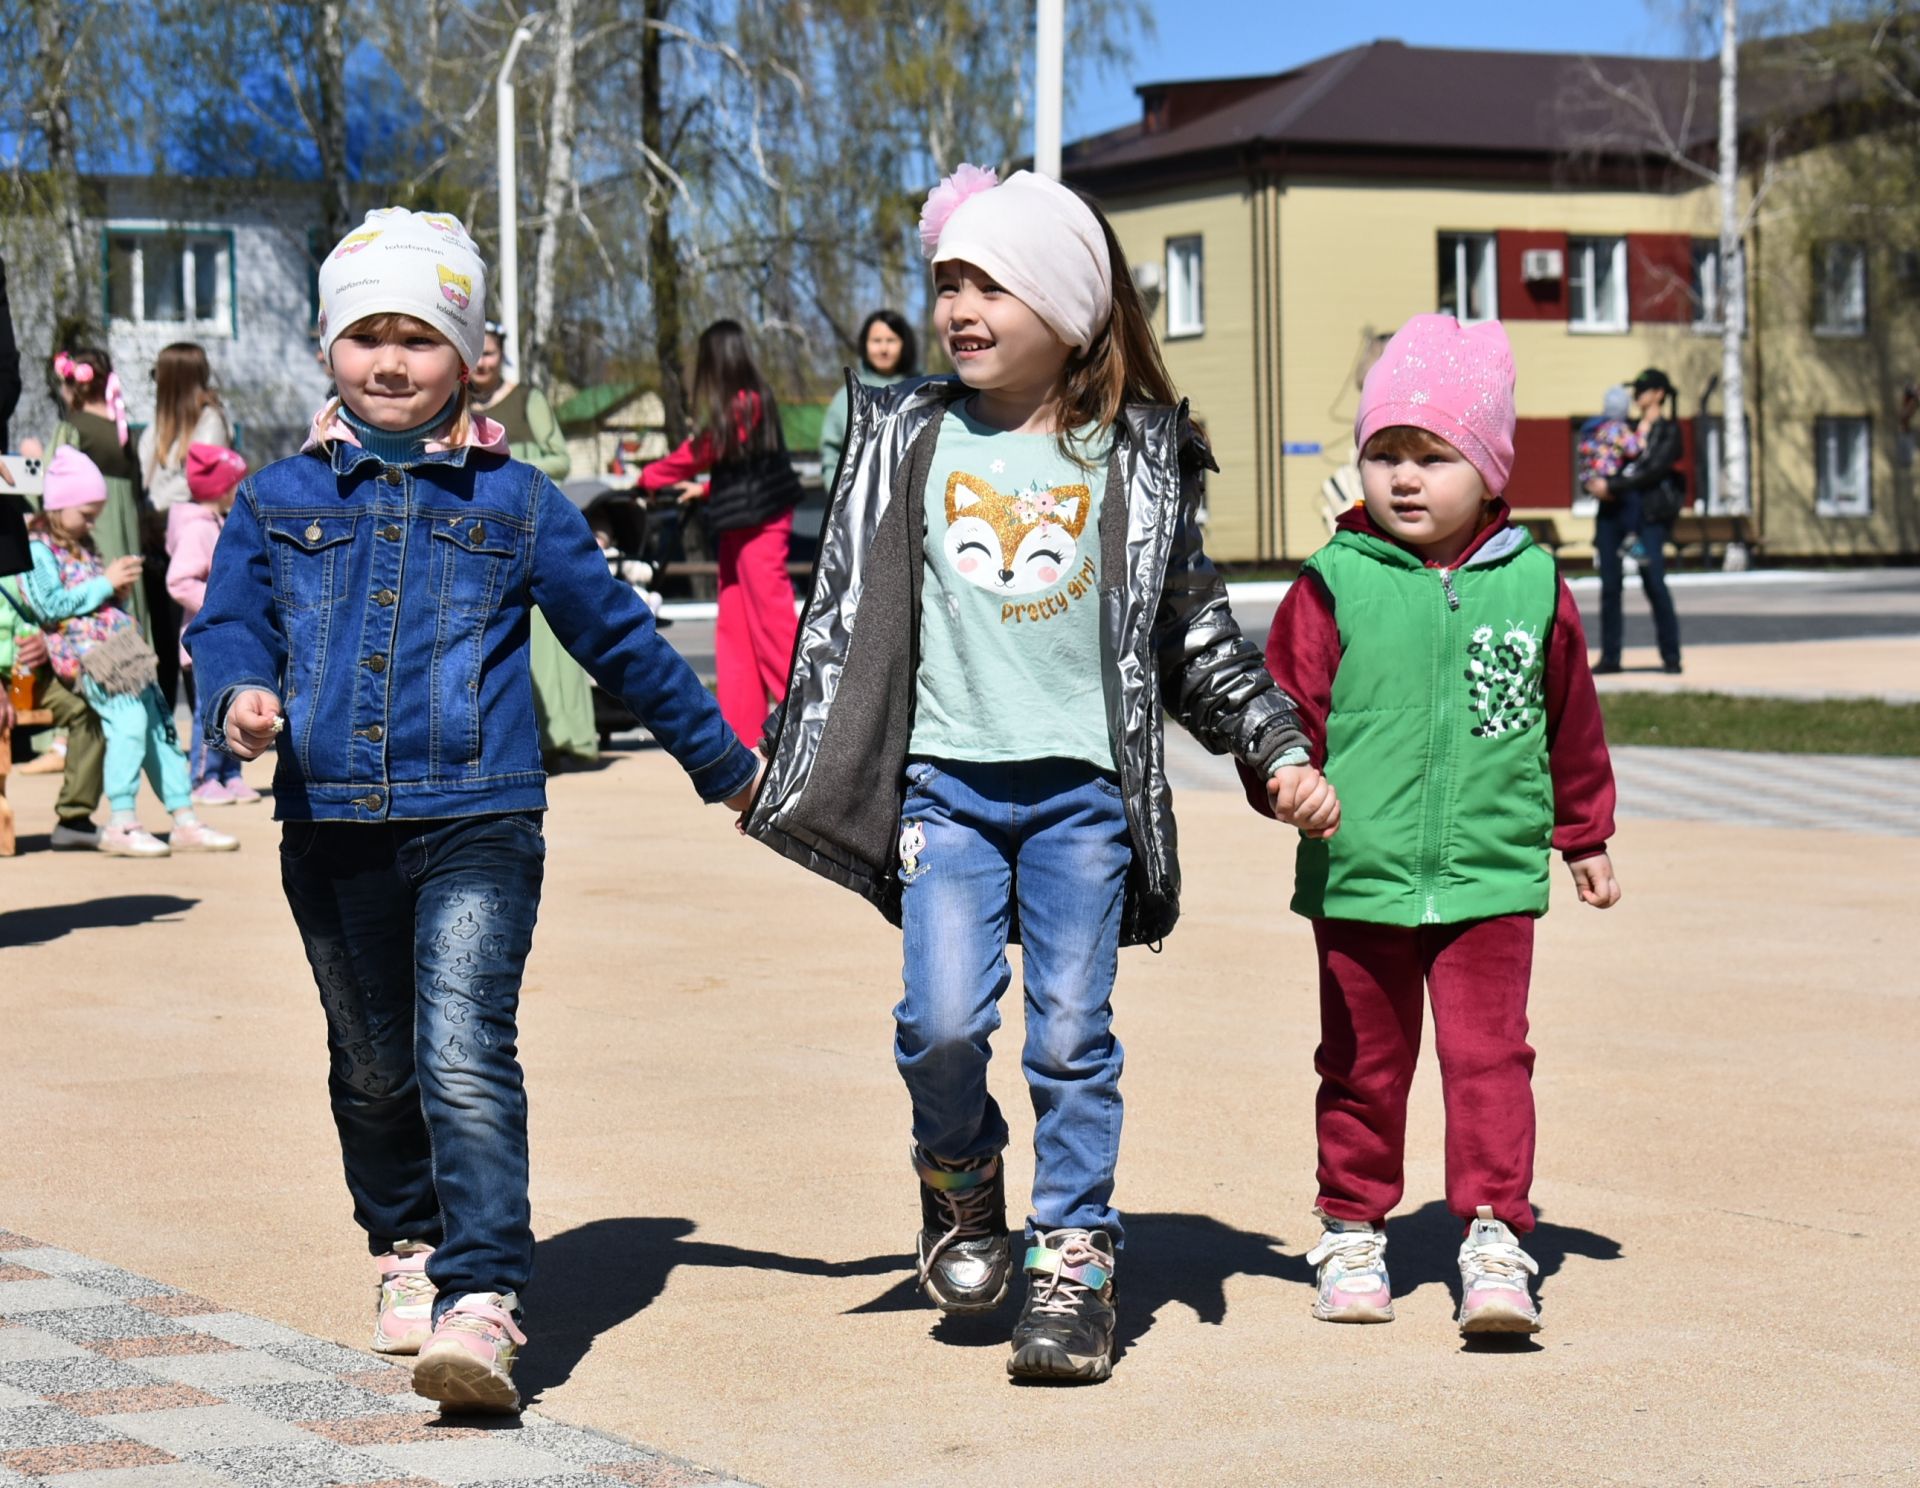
(1446, 583)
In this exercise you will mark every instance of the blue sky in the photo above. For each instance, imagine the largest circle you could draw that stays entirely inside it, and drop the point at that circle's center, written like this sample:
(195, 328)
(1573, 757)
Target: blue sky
(1230, 38)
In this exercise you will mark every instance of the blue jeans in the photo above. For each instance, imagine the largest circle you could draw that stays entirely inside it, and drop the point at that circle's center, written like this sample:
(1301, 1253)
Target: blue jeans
(1609, 532)
(1040, 849)
(417, 932)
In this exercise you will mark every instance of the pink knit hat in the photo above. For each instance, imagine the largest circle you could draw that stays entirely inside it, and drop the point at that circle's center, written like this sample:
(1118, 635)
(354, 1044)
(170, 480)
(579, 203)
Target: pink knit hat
(71, 480)
(212, 471)
(1452, 380)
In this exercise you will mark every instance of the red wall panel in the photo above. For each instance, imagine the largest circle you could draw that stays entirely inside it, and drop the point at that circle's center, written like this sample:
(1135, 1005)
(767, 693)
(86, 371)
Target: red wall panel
(1520, 300)
(1660, 278)
(1542, 463)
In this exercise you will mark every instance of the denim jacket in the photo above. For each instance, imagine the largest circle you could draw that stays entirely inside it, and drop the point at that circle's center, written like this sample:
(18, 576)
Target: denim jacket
(387, 607)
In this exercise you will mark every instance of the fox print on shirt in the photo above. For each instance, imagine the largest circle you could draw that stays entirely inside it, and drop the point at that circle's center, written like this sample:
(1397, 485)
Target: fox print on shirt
(1018, 544)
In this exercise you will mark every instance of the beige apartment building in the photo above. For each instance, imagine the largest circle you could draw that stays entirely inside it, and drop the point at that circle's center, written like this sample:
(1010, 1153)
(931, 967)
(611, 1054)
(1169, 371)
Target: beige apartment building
(1280, 224)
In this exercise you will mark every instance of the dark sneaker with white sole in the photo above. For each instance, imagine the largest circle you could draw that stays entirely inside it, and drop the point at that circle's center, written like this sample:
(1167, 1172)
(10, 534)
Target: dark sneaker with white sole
(965, 1259)
(1065, 1331)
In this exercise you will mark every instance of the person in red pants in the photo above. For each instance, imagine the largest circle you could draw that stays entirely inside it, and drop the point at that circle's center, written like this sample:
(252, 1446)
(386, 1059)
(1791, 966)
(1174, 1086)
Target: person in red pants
(749, 496)
(1438, 664)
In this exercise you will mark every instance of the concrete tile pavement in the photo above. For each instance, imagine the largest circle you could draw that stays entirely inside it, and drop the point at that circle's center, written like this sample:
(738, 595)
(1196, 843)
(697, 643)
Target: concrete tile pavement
(724, 1211)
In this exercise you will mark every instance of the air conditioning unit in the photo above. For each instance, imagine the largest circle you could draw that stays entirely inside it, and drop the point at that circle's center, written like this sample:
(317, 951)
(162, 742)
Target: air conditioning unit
(1542, 265)
(1148, 278)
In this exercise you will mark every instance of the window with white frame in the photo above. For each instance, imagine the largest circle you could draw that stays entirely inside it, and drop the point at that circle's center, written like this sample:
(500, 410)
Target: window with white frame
(1597, 282)
(173, 279)
(1709, 460)
(1186, 297)
(1843, 463)
(1467, 277)
(1708, 308)
(1840, 289)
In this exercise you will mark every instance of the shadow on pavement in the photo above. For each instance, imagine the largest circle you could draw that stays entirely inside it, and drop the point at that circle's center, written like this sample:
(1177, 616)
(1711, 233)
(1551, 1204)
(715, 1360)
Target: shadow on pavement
(24, 927)
(593, 1278)
(1426, 1248)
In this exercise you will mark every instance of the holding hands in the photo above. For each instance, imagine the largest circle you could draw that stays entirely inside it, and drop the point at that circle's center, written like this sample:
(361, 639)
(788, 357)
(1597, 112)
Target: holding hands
(1302, 797)
(253, 722)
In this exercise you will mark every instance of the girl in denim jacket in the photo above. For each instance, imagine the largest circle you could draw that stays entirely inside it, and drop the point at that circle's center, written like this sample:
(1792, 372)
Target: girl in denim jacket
(369, 608)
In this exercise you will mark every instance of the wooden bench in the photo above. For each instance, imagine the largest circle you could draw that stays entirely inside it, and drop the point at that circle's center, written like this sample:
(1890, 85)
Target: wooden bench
(1544, 531)
(26, 718)
(1708, 531)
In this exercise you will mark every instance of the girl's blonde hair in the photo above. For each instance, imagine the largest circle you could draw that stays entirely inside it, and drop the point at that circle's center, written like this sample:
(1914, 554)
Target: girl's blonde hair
(1406, 442)
(183, 390)
(389, 325)
(1122, 366)
(40, 524)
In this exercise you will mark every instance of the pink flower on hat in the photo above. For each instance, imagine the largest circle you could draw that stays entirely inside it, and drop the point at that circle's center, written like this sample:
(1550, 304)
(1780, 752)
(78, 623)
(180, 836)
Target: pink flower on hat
(945, 199)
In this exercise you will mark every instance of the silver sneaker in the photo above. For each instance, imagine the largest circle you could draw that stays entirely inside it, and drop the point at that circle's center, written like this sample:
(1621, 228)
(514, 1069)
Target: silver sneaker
(1496, 1293)
(1352, 1257)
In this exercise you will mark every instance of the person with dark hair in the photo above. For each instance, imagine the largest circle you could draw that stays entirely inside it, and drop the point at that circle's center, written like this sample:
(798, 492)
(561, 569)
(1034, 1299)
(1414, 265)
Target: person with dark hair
(1661, 492)
(750, 499)
(9, 361)
(889, 354)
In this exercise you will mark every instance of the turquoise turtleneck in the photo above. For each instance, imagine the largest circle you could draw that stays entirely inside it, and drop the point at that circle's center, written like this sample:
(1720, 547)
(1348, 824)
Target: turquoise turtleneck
(397, 446)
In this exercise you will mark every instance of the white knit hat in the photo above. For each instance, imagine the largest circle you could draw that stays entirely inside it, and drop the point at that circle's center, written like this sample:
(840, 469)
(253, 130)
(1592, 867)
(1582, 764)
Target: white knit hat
(399, 262)
(1034, 236)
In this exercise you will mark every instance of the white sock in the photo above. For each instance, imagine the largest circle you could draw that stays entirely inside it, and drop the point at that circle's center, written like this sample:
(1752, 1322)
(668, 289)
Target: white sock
(185, 818)
(127, 818)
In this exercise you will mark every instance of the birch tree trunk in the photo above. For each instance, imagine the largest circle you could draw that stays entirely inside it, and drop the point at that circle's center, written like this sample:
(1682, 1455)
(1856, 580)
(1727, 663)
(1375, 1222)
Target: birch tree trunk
(1734, 469)
(72, 303)
(330, 132)
(663, 263)
(555, 196)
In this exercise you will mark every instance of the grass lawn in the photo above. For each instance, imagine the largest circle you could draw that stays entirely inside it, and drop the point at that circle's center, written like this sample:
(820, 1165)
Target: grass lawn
(1712, 720)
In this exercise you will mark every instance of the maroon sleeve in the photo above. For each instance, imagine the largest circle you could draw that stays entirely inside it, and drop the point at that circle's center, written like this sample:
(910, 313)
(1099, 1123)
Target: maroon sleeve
(1303, 653)
(1582, 770)
(694, 458)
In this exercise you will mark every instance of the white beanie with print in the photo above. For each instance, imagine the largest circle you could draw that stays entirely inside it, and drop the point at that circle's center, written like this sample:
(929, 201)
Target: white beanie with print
(399, 262)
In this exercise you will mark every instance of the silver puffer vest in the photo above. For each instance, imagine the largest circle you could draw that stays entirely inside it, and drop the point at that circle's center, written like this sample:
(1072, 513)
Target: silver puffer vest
(837, 746)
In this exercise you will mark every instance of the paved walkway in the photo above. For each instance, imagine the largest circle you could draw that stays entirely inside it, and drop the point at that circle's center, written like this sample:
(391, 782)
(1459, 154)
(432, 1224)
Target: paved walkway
(109, 1380)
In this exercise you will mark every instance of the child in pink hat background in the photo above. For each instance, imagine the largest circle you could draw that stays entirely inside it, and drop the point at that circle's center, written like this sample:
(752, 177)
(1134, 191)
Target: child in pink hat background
(96, 645)
(213, 474)
(1441, 674)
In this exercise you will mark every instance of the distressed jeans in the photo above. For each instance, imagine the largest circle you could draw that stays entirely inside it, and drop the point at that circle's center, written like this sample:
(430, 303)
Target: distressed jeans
(980, 844)
(417, 932)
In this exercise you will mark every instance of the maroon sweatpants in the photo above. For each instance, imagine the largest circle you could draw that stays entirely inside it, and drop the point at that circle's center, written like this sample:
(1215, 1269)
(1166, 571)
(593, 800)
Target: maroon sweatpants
(1371, 980)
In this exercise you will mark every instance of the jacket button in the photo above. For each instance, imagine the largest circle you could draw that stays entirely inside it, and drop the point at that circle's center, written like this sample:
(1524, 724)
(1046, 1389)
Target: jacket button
(384, 599)
(372, 732)
(391, 532)
(314, 534)
(376, 662)
(391, 476)
(371, 800)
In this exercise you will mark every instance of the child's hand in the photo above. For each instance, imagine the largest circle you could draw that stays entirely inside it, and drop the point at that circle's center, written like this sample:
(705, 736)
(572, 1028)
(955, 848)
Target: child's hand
(1302, 797)
(740, 800)
(1593, 877)
(253, 722)
(124, 573)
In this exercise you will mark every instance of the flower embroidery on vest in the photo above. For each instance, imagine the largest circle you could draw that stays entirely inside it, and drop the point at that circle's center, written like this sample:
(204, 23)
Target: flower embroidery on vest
(1505, 680)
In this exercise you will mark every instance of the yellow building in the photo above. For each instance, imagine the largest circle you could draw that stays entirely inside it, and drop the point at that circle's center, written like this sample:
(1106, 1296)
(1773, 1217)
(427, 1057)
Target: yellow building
(1281, 224)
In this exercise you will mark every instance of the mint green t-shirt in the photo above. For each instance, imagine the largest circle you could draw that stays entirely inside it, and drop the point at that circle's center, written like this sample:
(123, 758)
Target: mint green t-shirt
(1010, 613)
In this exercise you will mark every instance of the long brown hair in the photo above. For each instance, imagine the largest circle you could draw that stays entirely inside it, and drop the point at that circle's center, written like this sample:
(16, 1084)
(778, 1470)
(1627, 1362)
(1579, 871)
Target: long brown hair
(1122, 366)
(183, 390)
(723, 369)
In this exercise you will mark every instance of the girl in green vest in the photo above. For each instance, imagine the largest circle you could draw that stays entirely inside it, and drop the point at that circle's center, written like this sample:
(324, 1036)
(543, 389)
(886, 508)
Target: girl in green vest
(1441, 674)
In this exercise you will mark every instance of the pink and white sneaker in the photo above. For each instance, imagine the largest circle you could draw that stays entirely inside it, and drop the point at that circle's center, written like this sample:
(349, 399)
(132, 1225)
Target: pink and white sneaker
(468, 1363)
(1495, 1292)
(199, 837)
(212, 793)
(403, 1313)
(240, 793)
(133, 841)
(1352, 1257)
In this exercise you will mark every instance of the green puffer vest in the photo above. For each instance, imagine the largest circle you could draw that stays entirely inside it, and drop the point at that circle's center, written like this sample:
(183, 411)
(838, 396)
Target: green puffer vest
(1437, 738)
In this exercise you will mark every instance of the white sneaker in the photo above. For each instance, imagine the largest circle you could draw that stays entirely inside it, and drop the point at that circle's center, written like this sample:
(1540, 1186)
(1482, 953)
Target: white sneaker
(132, 842)
(199, 837)
(1495, 1288)
(1352, 1258)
